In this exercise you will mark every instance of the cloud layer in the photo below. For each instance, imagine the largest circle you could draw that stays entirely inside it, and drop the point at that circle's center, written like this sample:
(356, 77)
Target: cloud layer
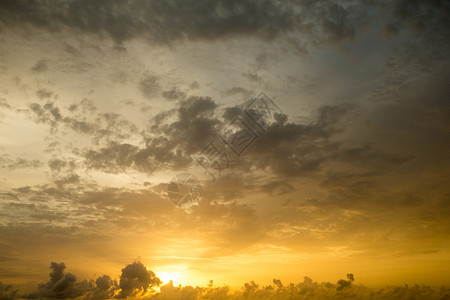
(136, 280)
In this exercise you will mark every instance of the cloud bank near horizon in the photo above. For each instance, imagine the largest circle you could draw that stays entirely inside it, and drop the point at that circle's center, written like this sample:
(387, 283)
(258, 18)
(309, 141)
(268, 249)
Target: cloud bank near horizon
(137, 282)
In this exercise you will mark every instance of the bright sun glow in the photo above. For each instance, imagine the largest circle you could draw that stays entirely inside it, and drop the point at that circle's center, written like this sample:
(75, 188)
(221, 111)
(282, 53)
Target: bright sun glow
(174, 273)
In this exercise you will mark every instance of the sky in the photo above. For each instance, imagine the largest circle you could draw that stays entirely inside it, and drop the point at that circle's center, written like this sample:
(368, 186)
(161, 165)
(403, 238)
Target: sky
(104, 104)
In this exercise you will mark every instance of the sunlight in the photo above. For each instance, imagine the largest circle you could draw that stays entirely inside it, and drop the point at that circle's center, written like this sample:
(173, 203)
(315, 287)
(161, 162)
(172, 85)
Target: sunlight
(174, 273)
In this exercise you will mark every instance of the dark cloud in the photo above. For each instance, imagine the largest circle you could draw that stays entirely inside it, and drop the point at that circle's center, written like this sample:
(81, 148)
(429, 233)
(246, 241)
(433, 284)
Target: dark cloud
(8, 292)
(166, 21)
(189, 126)
(48, 113)
(65, 285)
(61, 285)
(423, 16)
(136, 280)
(116, 157)
(172, 138)
(104, 283)
(57, 272)
(56, 164)
(106, 288)
(294, 149)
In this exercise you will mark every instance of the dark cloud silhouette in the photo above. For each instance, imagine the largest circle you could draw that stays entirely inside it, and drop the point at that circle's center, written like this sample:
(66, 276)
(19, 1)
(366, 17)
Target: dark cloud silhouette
(105, 288)
(57, 272)
(104, 283)
(8, 292)
(136, 280)
(342, 283)
(60, 285)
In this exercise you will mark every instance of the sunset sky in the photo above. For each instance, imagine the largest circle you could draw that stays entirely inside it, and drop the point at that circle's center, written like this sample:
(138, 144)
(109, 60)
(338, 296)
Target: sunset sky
(102, 103)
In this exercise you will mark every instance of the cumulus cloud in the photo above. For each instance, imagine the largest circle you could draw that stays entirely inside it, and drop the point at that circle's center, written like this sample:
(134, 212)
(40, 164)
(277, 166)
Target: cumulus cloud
(105, 288)
(172, 138)
(60, 285)
(136, 280)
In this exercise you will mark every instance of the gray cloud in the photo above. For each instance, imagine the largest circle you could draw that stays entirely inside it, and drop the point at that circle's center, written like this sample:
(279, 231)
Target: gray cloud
(106, 288)
(295, 149)
(40, 66)
(236, 90)
(44, 94)
(48, 113)
(166, 21)
(172, 138)
(149, 86)
(174, 94)
(423, 16)
(81, 117)
(18, 163)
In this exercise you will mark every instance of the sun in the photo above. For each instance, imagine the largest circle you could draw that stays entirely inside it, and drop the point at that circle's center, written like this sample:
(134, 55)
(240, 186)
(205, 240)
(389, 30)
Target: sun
(174, 273)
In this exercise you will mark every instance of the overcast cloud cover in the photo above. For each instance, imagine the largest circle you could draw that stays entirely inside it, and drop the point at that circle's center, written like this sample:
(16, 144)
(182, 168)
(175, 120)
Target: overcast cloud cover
(103, 102)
